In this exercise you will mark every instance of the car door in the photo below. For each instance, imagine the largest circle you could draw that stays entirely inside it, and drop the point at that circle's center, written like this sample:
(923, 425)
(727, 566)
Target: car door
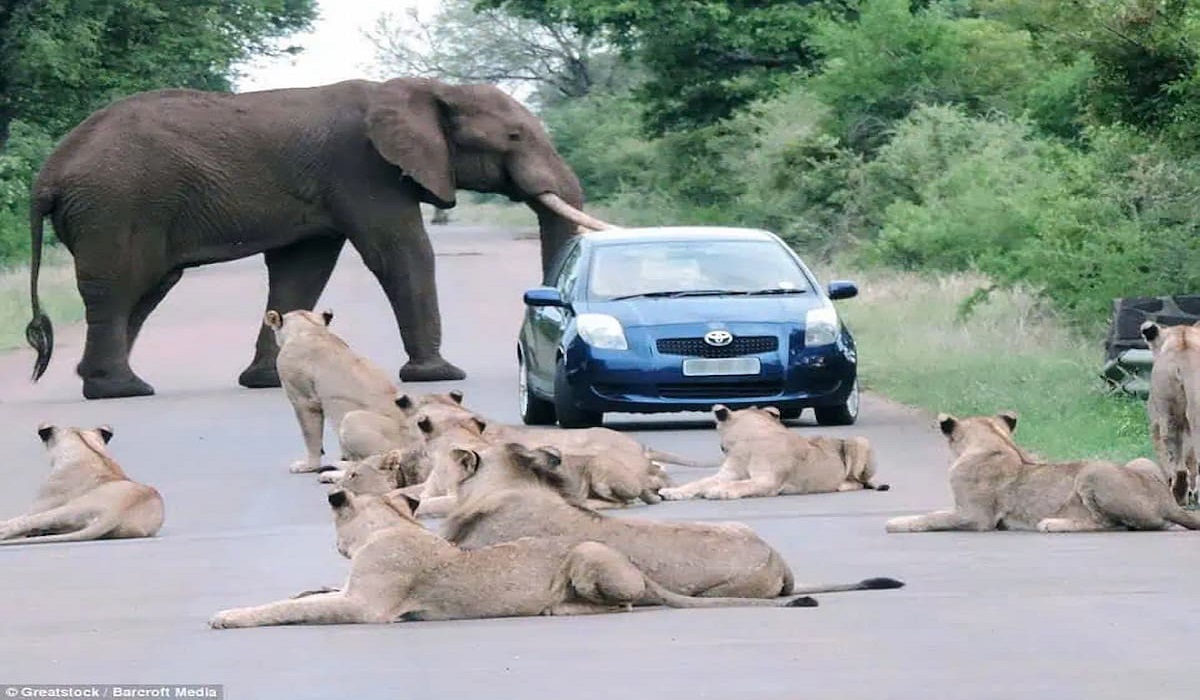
(546, 323)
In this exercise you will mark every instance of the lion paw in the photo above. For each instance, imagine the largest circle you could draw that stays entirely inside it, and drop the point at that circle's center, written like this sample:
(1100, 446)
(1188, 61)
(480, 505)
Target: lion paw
(675, 494)
(221, 621)
(304, 466)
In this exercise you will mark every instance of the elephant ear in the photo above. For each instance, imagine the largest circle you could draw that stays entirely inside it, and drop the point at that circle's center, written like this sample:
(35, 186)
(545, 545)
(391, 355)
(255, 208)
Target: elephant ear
(405, 123)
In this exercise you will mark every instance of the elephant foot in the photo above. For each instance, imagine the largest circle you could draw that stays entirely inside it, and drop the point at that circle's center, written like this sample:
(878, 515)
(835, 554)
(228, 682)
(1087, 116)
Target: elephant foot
(259, 376)
(110, 388)
(436, 370)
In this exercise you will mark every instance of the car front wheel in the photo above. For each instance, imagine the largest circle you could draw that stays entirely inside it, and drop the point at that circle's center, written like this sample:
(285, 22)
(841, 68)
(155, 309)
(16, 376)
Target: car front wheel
(570, 415)
(534, 409)
(845, 414)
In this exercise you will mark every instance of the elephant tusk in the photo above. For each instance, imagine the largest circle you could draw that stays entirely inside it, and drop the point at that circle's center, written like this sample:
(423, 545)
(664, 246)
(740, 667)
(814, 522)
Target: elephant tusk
(556, 204)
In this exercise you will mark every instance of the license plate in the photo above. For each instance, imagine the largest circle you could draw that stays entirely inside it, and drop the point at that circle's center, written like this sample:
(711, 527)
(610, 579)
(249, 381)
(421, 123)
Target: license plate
(704, 367)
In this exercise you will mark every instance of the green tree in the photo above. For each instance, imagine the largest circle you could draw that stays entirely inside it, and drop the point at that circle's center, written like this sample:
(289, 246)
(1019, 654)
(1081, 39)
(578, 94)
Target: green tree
(65, 58)
(705, 59)
(462, 44)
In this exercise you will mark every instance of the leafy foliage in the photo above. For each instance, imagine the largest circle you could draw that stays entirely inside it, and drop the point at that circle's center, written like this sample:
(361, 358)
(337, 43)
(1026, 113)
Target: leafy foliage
(65, 58)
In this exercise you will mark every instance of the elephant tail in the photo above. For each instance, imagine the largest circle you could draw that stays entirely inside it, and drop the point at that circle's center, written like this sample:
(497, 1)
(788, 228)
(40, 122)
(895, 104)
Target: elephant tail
(39, 333)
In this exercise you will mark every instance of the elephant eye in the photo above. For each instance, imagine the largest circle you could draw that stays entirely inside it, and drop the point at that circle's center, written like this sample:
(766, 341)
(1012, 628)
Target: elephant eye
(514, 136)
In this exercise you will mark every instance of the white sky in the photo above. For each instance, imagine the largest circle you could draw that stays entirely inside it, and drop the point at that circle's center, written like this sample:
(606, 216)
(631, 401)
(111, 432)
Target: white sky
(334, 50)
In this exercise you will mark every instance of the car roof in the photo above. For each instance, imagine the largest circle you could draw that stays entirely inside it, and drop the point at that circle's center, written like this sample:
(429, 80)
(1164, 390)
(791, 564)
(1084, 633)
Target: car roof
(675, 233)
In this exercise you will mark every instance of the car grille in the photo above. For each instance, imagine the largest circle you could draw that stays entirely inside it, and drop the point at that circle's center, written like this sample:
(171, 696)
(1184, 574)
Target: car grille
(719, 390)
(696, 347)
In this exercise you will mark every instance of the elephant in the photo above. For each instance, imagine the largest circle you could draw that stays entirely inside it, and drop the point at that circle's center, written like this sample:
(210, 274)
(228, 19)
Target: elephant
(165, 180)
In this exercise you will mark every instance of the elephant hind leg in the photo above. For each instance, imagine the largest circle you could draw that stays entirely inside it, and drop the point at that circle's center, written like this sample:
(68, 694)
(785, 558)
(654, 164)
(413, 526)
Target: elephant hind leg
(150, 301)
(296, 276)
(109, 297)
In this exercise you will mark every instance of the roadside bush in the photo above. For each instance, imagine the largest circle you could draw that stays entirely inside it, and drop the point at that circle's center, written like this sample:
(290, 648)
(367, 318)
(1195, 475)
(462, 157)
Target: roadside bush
(27, 148)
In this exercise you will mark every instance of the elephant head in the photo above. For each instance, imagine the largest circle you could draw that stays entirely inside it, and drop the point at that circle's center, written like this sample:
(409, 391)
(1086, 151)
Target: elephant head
(475, 137)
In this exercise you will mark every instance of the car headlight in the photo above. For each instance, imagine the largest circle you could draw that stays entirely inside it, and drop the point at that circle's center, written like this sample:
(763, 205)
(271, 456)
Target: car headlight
(601, 331)
(821, 327)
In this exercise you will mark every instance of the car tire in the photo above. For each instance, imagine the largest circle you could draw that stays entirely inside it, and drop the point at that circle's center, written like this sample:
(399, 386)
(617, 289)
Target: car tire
(844, 414)
(570, 415)
(534, 409)
(790, 413)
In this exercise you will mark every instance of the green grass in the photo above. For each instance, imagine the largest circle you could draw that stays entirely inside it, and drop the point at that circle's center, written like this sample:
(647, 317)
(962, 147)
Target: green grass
(57, 292)
(1008, 354)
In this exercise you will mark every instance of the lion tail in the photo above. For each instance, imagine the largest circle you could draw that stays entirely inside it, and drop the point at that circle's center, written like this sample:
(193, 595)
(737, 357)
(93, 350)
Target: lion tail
(663, 459)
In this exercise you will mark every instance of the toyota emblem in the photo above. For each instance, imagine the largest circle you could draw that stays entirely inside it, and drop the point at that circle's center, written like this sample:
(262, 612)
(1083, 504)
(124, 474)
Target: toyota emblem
(718, 339)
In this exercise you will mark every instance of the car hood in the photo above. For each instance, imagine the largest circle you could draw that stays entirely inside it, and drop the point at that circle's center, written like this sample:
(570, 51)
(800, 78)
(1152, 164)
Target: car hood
(727, 309)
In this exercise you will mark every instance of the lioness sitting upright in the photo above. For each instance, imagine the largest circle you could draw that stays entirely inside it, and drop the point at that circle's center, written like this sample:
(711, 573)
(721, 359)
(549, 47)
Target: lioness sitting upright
(1174, 403)
(510, 491)
(87, 496)
(999, 486)
(764, 458)
(324, 379)
(400, 571)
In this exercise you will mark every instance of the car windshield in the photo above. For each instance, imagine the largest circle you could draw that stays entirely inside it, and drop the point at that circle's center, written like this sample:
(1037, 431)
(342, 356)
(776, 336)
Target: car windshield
(693, 268)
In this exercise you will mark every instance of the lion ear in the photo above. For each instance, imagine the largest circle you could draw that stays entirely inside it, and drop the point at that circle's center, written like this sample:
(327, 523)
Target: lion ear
(456, 396)
(1009, 418)
(721, 412)
(273, 320)
(327, 316)
(44, 431)
(1150, 331)
(403, 401)
(946, 422)
(106, 433)
(469, 459)
(479, 423)
(425, 424)
(338, 499)
(773, 411)
(413, 503)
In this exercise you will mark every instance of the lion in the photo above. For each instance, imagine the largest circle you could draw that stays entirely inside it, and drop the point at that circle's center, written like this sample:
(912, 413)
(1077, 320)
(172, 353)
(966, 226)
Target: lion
(325, 379)
(437, 493)
(999, 486)
(510, 491)
(87, 496)
(383, 473)
(764, 458)
(399, 571)
(601, 465)
(1174, 404)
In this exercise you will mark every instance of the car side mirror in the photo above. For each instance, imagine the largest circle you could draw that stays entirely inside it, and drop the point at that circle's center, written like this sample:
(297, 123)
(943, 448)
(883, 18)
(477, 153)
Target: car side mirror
(842, 290)
(544, 296)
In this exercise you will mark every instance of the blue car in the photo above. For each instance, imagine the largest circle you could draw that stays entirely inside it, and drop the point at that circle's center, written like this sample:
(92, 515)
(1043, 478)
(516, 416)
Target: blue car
(653, 320)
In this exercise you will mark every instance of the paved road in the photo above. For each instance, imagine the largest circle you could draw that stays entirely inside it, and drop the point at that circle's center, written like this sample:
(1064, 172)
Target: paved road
(1003, 615)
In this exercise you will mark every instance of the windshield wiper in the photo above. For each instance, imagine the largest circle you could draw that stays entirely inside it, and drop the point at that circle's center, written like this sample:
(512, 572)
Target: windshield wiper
(677, 293)
(774, 290)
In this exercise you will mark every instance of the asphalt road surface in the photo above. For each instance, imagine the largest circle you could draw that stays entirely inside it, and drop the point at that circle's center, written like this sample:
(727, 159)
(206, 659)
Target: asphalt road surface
(998, 615)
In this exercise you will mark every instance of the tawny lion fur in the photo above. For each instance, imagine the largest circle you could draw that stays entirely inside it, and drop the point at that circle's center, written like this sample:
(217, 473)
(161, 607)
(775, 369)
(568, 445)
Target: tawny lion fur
(764, 458)
(87, 496)
(1174, 403)
(324, 379)
(510, 491)
(999, 486)
(400, 571)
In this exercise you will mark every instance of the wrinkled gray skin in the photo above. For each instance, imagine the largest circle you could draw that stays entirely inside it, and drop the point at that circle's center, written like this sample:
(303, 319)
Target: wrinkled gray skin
(171, 179)
(511, 491)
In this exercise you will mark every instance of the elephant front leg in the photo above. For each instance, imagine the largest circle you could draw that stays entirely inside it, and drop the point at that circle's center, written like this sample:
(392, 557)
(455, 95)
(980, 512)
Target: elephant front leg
(398, 252)
(296, 276)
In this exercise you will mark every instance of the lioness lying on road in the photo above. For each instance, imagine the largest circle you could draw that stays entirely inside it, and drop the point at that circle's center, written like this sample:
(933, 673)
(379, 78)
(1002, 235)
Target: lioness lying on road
(1174, 403)
(510, 491)
(324, 379)
(764, 458)
(999, 486)
(86, 496)
(400, 571)
(599, 464)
